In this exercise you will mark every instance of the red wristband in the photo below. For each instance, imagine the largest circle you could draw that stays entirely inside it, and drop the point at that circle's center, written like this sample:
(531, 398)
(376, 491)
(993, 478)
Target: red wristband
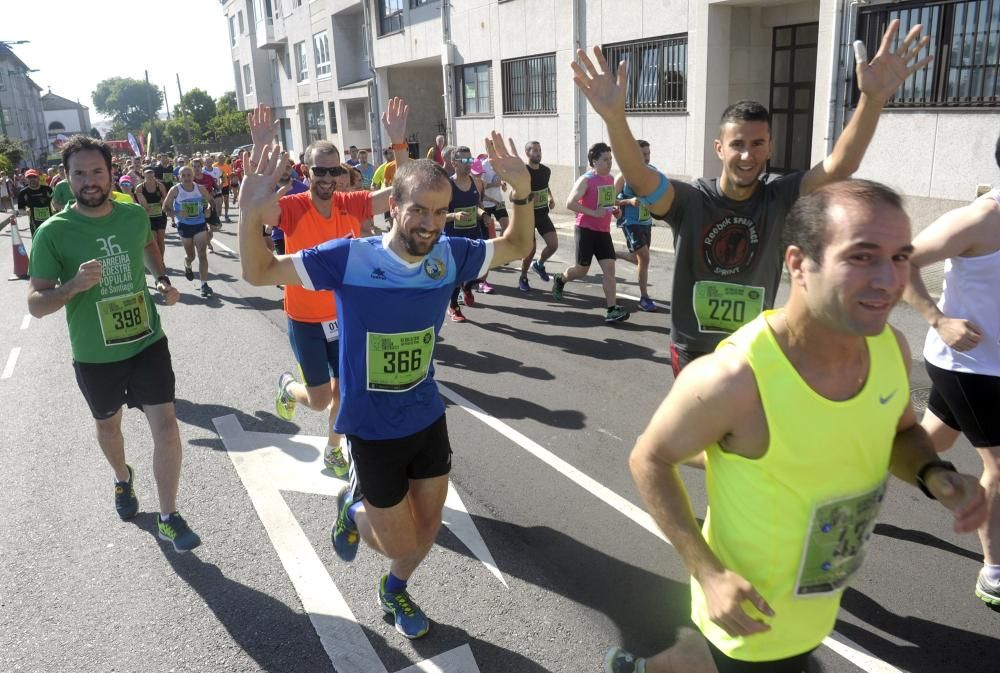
(400, 146)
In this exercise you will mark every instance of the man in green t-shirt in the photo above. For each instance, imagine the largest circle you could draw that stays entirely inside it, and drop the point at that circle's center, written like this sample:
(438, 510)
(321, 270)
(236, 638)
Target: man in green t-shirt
(92, 259)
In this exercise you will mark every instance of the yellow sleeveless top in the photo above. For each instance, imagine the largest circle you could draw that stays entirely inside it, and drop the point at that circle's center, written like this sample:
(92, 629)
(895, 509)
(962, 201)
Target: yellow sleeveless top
(795, 522)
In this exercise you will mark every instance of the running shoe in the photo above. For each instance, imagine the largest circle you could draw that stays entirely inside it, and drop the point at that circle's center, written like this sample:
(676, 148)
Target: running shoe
(522, 284)
(334, 461)
(126, 504)
(467, 296)
(486, 288)
(618, 660)
(188, 272)
(557, 285)
(345, 533)
(284, 402)
(410, 619)
(616, 314)
(646, 304)
(176, 531)
(987, 591)
(456, 314)
(206, 291)
(540, 270)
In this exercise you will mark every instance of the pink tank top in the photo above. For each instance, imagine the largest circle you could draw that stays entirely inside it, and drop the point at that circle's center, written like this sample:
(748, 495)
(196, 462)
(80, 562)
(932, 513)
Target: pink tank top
(600, 194)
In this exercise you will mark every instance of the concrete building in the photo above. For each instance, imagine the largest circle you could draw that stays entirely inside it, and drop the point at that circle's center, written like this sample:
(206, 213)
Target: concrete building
(468, 66)
(64, 117)
(21, 115)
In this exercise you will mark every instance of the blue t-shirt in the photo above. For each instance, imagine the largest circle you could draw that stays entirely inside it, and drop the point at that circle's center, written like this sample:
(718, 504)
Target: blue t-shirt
(366, 175)
(389, 313)
(633, 214)
(297, 188)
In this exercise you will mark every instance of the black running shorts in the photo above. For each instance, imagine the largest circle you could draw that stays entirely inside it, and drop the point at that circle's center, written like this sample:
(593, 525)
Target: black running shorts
(381, 469)
(966, 402)
(590, 244)
(543, 223)
(145, 378)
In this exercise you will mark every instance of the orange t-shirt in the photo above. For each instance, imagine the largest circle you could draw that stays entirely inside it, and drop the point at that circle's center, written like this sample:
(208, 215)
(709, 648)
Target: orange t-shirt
(304, 227)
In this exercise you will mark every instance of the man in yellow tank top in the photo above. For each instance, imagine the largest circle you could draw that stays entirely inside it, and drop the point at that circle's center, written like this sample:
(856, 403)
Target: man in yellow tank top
(817, 416)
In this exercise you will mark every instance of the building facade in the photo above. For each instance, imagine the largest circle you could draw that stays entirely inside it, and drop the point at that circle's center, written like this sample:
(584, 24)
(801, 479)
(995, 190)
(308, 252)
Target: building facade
(469, 66)
(21, 115)
(64, 117)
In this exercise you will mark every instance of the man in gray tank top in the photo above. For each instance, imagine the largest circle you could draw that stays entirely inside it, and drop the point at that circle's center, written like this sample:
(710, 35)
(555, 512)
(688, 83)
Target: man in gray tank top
(727, 230)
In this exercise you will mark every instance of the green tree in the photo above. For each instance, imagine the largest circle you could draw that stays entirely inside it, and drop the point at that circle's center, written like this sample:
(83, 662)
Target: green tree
(12, 149)
(180, 130)
(6, 166)
(227, 103)
(126, 100)
(229, 124)
(200, 106)
(117, 132)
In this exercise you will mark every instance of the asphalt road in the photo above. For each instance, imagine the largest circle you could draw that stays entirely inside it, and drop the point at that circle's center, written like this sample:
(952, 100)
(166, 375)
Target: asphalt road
(545, 404)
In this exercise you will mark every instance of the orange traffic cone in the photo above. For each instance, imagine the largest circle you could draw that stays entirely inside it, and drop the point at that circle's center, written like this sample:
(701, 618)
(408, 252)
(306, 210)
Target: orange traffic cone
(20, 254)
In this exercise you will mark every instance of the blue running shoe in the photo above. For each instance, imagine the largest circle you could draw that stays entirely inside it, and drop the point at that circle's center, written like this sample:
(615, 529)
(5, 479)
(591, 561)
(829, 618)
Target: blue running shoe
(126, 504)
(345, 535)
(646, 304)
(618, 660)
(522, 284)
(540, 270)
(410, 619)
(176, 531)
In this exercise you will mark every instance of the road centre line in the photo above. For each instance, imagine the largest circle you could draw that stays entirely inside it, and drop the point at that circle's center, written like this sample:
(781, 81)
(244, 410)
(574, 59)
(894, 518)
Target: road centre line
(25, 320)
(11, 361)
(841, 645)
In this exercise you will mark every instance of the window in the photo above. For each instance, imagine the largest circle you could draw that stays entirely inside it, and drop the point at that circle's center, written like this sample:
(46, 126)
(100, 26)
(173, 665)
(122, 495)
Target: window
(247, 80)
(321, 54)
(3, 84)
(657, 73)
(251, 14)
(232, 31)
(474, 86)
(301, 64)
(357, 116)
(529, 85)
(333, 117)
(965, 41)
(417, 3)
(243, 28)
(390, 16)
(298, 3)
(315, 122)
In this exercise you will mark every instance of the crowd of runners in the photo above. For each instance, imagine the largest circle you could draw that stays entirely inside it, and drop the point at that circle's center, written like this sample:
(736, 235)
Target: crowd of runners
(373, 259)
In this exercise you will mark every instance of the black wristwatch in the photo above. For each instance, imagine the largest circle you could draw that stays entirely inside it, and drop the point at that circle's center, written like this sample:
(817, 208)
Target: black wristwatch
(163, 279)
(520, 202)
(930, 465)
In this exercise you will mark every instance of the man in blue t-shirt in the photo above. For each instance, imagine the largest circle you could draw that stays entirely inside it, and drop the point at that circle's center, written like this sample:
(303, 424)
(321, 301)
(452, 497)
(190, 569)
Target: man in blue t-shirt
(391, 293)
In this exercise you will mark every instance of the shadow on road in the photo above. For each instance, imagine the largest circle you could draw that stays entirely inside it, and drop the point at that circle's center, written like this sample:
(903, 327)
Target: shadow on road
(201, 415)
(516, 408)
(260, 625)
(928, 647)
(486, 362)
(926, 539)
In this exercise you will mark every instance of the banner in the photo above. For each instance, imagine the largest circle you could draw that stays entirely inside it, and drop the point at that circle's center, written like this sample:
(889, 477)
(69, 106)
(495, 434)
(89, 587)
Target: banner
(134, 145)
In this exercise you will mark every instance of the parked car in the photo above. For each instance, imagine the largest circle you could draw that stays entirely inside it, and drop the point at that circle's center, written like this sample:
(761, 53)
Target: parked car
(239, 150)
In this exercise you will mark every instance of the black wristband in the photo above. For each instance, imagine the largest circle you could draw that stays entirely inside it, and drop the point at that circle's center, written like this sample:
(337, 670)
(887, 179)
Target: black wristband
(930, 465)
(163, 279)
(520, 202)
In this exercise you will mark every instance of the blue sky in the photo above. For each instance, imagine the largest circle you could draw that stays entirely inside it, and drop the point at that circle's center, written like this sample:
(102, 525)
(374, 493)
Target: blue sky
(74, 45)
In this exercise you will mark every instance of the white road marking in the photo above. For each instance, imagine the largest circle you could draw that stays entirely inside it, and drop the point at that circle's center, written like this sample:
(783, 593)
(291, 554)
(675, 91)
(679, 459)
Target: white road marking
(846, 648)
(8, 371)
(25, 320)
(216, 243)
(256, 459)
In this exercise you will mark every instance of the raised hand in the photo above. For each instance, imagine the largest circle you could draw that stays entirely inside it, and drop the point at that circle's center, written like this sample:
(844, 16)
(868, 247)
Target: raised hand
(87, 276)
(605, 91)
(508, 164)
(883, 76)
(394, 119)
(258, 191)
(263, 128)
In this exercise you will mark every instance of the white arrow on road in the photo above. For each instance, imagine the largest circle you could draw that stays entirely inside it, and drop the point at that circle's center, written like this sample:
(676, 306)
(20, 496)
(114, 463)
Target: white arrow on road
(268, 464)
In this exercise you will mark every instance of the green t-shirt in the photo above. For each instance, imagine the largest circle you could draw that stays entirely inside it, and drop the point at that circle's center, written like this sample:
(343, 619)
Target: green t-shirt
(115, 319)
(62, 193)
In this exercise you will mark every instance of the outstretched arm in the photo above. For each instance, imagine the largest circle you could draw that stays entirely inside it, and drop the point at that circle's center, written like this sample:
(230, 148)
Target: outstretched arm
(516, 241)
(877, 81)
(259, 206)
(606, 94)
(394, 120)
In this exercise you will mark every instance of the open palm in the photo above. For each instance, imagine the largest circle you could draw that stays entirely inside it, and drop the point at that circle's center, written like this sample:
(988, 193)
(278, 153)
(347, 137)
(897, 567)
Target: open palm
(882, 77)
(605, 91)
(507, 164)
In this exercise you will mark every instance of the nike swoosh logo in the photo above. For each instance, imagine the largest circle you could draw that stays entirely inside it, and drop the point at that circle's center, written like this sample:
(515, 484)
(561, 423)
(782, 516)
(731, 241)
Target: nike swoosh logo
(885, 400)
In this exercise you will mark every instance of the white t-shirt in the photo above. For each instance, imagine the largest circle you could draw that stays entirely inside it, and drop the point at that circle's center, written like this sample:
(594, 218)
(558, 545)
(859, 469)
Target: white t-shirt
(492, 196)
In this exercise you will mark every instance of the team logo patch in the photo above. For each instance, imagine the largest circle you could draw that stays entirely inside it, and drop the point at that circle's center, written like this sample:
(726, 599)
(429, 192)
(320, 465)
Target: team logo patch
(730, 245)
(435, 268)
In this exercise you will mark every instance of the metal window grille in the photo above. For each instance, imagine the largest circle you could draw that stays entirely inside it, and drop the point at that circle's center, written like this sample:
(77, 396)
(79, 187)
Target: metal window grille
(657, 73)
(390, 16)
(965, 41)
(333, 116)
(529, 85)
(473, 89)
(418, 3)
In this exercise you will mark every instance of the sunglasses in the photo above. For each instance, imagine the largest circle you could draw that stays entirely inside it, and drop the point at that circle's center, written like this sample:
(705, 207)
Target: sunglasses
(465, 160)
(320, 171)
